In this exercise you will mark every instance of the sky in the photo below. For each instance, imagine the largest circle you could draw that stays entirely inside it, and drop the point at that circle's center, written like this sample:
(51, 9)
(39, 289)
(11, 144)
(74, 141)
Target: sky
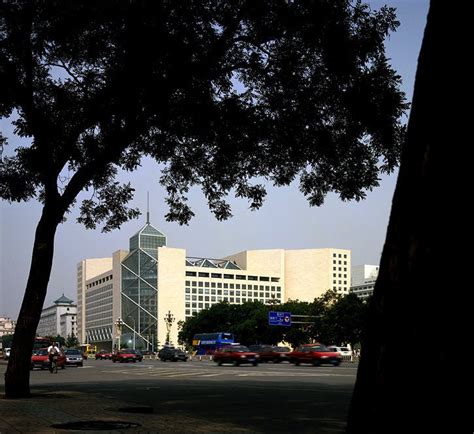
(285, 221)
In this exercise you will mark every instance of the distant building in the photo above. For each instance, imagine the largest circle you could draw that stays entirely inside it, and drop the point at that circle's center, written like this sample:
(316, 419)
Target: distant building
(151, 286)
(7, 326)
(58, 319)
(363, 280)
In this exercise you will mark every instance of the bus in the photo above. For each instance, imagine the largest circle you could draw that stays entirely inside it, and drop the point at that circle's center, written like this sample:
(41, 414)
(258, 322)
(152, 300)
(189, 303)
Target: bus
(88, 350)
(207, 343)
(41, 343)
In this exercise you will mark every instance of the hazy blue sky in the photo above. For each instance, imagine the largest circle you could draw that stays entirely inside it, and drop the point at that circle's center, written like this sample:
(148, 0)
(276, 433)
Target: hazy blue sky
(285, 220)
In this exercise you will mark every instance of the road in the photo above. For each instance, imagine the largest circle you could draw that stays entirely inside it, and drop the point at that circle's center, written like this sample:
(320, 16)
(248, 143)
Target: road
(266, 398)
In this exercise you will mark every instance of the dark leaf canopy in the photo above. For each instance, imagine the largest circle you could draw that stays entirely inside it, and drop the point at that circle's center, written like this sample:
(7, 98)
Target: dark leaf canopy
(220, 93)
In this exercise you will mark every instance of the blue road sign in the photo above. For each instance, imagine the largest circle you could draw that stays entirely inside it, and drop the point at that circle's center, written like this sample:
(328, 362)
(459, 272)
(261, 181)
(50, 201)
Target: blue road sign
(279, 318)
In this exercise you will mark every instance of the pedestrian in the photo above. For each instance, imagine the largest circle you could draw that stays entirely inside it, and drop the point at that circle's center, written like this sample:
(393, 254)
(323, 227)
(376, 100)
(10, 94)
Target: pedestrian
(53, 352)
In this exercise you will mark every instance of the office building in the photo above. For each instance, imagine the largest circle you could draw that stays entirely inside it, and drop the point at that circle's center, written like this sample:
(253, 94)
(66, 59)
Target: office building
(7, 326)
(363, 280)
(58, 319)
(139, 295)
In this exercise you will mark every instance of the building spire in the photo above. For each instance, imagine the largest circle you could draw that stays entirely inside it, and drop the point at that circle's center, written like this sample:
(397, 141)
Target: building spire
(147, 207)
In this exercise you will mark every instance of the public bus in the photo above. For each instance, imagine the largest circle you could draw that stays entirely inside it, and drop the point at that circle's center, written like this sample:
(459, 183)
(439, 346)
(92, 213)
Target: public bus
(207, 343)
(88, 349)
(41, 343)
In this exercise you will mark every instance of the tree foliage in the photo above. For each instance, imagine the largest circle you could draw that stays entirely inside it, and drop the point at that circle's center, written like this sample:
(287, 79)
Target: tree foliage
(97, 88)
(218, 93)
(332, 318)
(71, 341)
(7, 341)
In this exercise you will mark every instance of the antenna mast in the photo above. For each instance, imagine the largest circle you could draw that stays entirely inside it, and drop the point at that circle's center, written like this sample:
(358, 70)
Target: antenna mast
(147, 207)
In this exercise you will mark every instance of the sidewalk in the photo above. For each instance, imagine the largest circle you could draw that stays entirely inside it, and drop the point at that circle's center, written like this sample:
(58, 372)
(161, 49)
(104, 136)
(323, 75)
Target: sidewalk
(47, 408)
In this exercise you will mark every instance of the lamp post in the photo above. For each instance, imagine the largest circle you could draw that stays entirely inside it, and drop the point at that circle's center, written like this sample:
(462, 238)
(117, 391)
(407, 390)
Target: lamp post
(169, 320)
(118, 324)
(134, 335)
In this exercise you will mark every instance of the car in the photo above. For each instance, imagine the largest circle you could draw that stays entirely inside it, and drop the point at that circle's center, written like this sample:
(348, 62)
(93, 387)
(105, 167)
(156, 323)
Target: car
(40, 359)
(271, 353)
(124, 356)
(103, 355)
(6, 353)
(345, 352)
(138, 355)
(235, 354)
(316, 354)
(74, 357)
(172, 354)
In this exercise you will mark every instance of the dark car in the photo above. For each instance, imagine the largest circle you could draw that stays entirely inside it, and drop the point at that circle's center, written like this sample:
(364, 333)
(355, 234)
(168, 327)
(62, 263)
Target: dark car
(172, 354)
(74, 357)
(269, 353)
(138, 355)
(316, 354)
(236, 354)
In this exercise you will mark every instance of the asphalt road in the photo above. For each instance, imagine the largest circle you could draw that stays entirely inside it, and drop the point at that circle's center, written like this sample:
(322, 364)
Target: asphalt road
(266, 398)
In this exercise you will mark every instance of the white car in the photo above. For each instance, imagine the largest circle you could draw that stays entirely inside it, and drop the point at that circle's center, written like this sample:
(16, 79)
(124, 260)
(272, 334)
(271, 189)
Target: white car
(345, 352)
(6, 353)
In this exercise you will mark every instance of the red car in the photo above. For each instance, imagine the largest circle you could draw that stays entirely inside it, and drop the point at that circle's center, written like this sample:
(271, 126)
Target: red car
(235, 354)
(316, 354)
(40, 359)
(124, 356)
(271, 353)
(103, 355)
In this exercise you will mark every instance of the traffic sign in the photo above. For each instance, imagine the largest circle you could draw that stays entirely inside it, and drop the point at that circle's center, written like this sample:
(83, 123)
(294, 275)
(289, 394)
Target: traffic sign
(279, 318)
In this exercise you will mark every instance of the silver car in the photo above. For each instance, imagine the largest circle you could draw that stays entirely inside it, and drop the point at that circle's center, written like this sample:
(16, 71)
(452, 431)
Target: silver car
(74, 357)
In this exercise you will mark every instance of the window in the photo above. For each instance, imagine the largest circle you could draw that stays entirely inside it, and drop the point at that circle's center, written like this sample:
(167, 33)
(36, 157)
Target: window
(203, 274)
(216, 275)
(191, 273)
(228, 276)
(264, 279)
(252, 278)
(275, 279)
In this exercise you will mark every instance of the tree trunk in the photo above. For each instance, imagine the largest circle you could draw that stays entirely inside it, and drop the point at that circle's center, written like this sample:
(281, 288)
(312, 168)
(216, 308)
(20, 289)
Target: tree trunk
(404, 383)
(17, 376)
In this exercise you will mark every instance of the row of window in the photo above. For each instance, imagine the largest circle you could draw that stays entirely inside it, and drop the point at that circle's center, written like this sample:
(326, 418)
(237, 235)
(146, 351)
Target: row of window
(254, 295)
(339, 262)
(334, 282)
(339, 255)
(231, 276)
(99, 281)
(231, 286)
(335, 288)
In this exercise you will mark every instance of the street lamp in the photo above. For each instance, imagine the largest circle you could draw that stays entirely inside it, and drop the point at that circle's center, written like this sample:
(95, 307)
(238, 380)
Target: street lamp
(118, 324)
(134, 325)
(169, 320)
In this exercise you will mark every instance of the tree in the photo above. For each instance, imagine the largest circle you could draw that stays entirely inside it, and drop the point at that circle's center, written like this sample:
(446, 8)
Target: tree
(411, 304)
(71, 341)
(219, 93)
(344, 321)
(7, 341)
